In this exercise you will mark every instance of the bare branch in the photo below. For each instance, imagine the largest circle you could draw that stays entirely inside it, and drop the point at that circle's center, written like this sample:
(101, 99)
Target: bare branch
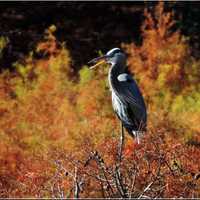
(77, 188)
(119, 183)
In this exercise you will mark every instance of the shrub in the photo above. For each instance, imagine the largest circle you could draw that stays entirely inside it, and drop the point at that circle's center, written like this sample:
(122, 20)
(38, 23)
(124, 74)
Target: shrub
(59, 135)
(164, 67)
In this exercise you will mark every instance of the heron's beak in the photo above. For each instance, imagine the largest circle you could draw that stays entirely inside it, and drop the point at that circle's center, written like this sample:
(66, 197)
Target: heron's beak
(97, 61)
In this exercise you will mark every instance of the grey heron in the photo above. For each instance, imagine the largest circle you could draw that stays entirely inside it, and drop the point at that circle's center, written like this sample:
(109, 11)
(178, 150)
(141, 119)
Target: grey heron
(127, 100)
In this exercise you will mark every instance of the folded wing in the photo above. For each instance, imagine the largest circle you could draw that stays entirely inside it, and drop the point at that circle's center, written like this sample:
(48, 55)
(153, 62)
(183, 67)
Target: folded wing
(130, 95)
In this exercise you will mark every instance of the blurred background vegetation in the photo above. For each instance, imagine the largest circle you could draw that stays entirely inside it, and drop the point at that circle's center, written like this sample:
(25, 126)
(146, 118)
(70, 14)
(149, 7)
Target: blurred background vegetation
(52, 105)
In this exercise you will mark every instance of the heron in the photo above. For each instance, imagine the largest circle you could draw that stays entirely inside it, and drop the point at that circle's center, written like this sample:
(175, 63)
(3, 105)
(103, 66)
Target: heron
(127, 100)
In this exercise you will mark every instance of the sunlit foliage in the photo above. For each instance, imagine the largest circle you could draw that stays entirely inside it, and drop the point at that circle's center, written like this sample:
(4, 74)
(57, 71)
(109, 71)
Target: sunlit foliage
(165, 69)
(51, 121)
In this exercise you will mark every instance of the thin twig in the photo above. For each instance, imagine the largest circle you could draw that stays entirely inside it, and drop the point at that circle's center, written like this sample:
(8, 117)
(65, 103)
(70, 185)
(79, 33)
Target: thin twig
(76, 184)
(146, 189)
(132, 186)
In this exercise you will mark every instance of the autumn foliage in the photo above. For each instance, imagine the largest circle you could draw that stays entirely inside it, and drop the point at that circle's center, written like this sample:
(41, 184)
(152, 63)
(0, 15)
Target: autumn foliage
(59, 134)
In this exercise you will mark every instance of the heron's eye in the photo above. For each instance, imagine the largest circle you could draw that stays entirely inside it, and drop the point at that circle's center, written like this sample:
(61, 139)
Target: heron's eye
(117, 51)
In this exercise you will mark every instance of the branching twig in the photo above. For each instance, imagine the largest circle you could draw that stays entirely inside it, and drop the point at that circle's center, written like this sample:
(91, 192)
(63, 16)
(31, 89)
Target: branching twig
(100, 162)
(119, 183)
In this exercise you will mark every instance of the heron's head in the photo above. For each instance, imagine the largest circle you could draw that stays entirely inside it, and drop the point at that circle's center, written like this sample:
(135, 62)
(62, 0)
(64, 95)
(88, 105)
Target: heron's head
(114, 56)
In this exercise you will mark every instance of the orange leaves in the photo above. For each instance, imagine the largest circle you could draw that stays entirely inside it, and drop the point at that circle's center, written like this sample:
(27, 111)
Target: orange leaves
(44, 116)
(160, 48)
(87, 98)
(50, 46)
(161, 22)
(35, 119)
(164, 67)
(131, 146)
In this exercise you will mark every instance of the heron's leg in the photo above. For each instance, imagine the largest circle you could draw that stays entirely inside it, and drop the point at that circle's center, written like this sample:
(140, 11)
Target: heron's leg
(121, 144)
(119, 179)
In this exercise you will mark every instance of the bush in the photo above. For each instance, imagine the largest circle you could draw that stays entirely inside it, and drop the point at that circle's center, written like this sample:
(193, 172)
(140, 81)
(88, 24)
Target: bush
(59, 135)
(164, 67)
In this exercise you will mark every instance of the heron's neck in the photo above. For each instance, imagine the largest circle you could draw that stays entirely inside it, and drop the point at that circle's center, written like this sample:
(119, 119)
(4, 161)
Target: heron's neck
(115, 70)
(113, 74)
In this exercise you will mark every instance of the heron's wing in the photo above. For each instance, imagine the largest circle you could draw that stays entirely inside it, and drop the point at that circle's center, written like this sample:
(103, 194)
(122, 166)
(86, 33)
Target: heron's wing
(124, 77)
(129, 93)
(129, 90)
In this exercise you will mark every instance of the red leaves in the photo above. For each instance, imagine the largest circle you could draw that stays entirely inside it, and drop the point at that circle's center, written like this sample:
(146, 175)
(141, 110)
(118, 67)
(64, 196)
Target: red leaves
(45, 116)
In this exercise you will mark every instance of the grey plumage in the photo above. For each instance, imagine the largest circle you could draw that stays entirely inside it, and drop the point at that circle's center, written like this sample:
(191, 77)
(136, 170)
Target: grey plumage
(127, 99)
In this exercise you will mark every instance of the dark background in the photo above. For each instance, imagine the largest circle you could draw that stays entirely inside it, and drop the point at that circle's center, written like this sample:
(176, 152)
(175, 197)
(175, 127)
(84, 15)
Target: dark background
(86, 26)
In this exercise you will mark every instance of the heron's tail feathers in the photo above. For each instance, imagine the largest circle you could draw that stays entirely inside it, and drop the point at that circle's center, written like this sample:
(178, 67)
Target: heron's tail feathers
(137, 135)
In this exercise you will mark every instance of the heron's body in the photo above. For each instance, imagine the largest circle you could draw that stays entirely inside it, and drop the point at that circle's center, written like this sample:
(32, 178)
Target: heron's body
(127, 99)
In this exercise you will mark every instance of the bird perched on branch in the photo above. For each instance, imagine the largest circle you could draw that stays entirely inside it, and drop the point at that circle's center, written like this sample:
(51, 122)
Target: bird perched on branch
(127, 99)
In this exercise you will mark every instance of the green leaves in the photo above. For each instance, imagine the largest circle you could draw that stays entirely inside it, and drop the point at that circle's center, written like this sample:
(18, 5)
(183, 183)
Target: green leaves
(86, 75)
(3, 43)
